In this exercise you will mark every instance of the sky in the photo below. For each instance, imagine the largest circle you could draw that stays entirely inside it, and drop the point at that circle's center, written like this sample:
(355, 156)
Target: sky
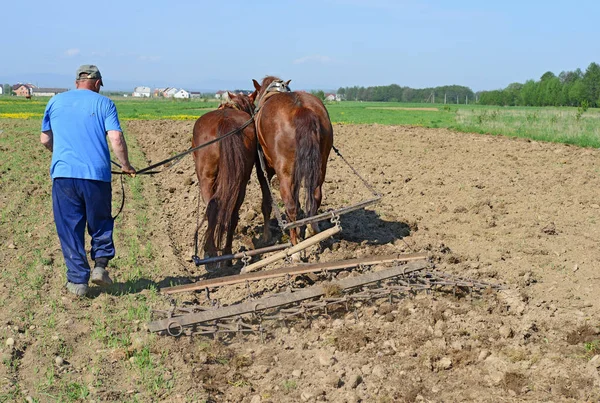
(318, 44)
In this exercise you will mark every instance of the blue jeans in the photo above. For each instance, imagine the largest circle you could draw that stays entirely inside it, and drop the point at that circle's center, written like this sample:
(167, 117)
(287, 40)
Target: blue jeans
(75, 202)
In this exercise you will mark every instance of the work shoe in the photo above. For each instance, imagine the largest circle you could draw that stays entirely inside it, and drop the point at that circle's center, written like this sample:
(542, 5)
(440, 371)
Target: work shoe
(100, 277)
(78, 289)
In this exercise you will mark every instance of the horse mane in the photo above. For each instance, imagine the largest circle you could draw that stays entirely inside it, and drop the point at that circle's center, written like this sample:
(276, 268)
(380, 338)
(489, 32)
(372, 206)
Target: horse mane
(241, 102)
(268, 80)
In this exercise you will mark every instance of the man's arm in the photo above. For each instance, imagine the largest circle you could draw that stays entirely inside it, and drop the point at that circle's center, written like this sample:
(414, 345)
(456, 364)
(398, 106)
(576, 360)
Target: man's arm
(47, 139)
(117, 141)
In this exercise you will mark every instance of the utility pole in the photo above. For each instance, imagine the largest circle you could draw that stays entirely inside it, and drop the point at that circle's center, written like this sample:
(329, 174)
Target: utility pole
(466, 100)
(445, 98)
(433, 99)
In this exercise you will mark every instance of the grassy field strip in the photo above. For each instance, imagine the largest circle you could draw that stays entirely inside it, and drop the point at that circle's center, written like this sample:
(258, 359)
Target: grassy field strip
(559, 125)
(562, 125)
(45, 322)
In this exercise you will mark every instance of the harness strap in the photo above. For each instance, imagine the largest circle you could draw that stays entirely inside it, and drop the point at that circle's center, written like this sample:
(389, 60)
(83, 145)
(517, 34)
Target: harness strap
(192, 149)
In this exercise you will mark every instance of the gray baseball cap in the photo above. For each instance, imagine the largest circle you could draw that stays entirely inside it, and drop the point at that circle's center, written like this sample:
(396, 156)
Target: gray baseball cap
(91, 71)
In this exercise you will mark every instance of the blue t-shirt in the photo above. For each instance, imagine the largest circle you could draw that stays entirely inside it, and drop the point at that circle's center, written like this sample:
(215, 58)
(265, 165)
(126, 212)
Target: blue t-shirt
(79, 121)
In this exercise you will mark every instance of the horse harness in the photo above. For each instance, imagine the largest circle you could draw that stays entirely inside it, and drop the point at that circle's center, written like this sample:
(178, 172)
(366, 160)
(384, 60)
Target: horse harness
(273, 88)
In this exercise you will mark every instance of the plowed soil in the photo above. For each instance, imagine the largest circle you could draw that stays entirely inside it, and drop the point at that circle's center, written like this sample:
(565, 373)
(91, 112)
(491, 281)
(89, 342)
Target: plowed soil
(516, 213)
(513, 212)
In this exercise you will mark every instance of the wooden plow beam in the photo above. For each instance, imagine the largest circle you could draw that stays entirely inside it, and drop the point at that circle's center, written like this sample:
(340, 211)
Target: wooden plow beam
(293, 271)
(175, 325)
(242, 255)
(300, 246)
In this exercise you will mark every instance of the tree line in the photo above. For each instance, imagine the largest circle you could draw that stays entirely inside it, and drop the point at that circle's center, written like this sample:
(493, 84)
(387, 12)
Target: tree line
(396, 93)
(569, 88)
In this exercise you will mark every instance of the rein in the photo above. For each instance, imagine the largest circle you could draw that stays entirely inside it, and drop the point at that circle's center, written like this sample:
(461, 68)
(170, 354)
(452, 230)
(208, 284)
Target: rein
(149, 169)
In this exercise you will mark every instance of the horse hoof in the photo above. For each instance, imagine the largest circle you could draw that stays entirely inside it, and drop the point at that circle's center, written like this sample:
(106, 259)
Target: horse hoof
(312, 229)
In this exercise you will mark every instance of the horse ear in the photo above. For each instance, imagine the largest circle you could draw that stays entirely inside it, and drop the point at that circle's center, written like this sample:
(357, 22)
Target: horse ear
(287, 83)
(256, 85)
(252, 96)
(231, 95)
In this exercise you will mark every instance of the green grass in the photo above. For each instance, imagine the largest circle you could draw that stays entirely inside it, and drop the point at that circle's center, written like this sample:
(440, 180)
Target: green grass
(560, 125)
(34, 276)
(129, 108)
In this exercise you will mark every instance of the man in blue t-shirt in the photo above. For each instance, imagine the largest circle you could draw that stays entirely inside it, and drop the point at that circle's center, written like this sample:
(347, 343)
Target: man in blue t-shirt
(74, 128)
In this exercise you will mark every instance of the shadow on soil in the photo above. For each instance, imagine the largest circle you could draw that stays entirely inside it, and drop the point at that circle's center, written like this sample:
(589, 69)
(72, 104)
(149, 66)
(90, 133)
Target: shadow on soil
(367, 226)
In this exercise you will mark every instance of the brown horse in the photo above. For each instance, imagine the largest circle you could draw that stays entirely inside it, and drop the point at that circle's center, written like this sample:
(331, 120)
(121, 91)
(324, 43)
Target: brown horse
(296, 136)
(224, 168)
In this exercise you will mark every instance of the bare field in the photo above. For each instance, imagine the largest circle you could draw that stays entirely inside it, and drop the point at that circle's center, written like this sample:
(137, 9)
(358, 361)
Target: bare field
(514, 212)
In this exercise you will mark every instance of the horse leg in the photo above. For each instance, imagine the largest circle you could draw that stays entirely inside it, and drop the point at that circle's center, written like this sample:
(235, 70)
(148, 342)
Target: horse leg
(291, 209)
(313, 228)
(266, 205)
(235, 218)
(206, 190)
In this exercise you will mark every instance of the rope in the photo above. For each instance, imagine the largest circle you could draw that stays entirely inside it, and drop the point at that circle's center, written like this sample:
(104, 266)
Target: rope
(192, 149)
(148, 169)
(367, 184)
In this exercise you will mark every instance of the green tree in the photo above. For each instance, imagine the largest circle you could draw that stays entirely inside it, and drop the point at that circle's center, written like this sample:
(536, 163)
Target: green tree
(319, 94)
(528, 93)
(577, 93)
(7, 89)
(591, 80)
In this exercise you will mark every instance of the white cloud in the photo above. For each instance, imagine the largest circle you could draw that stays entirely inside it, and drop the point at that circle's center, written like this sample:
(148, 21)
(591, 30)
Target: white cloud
(314, 58)
(72, 52)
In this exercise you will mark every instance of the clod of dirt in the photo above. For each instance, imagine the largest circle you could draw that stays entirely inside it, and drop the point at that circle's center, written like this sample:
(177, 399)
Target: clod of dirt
(444, 363)
(332, 290)
(583, 334)
(514, 381)
(350, 340)
(550, 229)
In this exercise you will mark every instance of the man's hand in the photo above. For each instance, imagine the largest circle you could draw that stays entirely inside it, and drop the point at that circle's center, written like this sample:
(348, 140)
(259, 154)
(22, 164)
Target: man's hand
(129, 170)
(47, 139)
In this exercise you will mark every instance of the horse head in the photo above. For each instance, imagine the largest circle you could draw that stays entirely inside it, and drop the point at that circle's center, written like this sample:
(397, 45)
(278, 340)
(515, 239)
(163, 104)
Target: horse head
(270, 84)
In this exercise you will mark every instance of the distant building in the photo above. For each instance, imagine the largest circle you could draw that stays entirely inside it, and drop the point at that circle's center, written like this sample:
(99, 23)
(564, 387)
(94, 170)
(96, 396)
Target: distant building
(141, 92)
(47, 92)
(158, 92)
(1, 89)
(332, 97)
(195, 94)
(169, 92)
(23, 90)
(182, 94)
(222, 95)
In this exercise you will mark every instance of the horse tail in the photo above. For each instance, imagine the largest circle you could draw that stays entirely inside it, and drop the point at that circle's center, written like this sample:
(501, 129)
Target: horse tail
(229, 180)
(307, 165)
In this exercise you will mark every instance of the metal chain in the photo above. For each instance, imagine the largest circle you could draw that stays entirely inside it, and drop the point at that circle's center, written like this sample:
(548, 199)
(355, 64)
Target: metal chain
(367, 184)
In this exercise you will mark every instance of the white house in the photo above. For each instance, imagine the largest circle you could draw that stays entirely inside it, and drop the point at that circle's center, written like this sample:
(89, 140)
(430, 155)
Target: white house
(1, 89)
(169, 92)
(332, 97)
(141, 92)
(181, 94)
(47, 92)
